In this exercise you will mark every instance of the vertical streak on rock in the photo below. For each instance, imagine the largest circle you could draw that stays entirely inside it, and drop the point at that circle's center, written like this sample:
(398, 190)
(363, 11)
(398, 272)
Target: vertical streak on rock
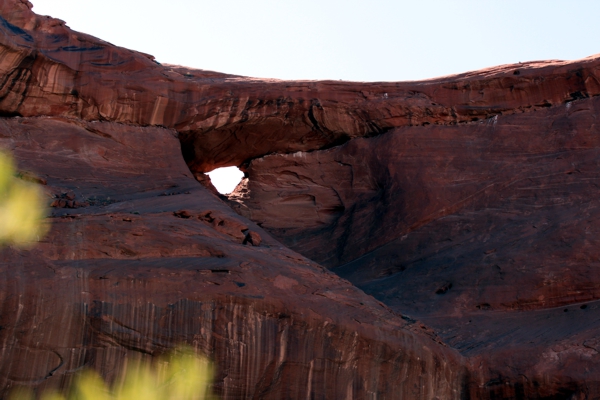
(158, 112)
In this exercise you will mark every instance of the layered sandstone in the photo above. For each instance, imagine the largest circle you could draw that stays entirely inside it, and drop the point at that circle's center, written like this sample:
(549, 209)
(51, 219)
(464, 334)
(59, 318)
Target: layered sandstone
(465, 204)
(141, 257)
(487, 231)
(227, 120)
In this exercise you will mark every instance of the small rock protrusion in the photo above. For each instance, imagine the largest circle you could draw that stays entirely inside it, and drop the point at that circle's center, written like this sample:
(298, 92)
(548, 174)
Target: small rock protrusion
(67, 200)
(205, 181)
(206, 216)
(444, 288)
(182, 214)
(225, 224)
(59, 203)
(30, 177)
(253, 238)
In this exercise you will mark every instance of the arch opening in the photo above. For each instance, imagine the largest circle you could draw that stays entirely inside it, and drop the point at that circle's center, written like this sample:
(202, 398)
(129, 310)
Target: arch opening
(225, 179)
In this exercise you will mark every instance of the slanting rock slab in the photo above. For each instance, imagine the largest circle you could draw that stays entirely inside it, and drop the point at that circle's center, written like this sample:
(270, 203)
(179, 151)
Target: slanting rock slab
(477, 228)
(152, 259)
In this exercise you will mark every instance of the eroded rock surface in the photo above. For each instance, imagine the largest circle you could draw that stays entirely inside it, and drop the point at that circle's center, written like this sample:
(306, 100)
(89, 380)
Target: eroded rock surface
(151, 259)
(227, 120)
(488, 231)
(465, 205)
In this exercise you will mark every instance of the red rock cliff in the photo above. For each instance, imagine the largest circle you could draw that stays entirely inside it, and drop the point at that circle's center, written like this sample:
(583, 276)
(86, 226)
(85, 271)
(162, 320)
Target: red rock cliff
(462, 211)
(142, 257)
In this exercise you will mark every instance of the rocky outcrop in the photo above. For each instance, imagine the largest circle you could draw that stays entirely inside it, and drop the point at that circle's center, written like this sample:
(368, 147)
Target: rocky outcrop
(142, 257)
(461, 211)
(227, 120)
(487, 231)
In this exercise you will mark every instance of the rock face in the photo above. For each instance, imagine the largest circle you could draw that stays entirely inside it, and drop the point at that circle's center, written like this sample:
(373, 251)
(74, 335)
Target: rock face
(228, 120)
(457, 218)
(487, 231)
(142, 257)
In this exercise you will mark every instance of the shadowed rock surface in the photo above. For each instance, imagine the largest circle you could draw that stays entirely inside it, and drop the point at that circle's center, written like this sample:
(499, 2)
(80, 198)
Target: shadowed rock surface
(461, 210)
(142, 257)
(487, 231)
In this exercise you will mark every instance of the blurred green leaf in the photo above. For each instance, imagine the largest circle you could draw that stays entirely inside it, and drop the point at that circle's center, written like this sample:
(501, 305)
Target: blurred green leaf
(182, 375)
(22, 208)
(21, 393)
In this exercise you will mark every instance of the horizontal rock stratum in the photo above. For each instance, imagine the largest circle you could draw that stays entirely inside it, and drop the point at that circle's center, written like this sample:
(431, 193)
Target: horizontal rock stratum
(418, 240)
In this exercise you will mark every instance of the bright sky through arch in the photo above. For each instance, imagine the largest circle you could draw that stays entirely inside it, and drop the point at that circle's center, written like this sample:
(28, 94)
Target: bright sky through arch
(358, 40)
(226, 179)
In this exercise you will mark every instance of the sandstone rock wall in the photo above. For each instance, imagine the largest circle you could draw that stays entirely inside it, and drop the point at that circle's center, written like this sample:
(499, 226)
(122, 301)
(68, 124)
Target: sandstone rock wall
(462, 211)
(227, 120)
(485, 230)
(141, 257)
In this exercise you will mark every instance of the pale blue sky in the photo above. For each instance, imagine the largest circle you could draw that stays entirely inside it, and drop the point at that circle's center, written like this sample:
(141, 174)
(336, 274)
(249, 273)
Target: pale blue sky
(373, 40)
(340, 39)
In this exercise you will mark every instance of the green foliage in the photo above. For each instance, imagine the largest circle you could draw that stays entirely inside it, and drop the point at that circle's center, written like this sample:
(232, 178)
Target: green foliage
(22, 208)
(181, 376)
